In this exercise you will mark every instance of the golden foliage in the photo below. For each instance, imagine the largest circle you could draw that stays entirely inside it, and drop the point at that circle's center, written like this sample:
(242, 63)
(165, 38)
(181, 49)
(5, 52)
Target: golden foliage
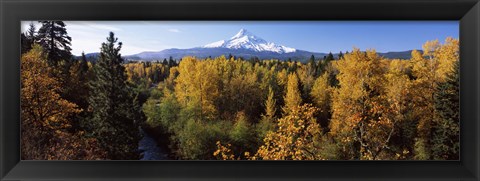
(293, 97)
(197, 85)
(297, 137)
(44, 116)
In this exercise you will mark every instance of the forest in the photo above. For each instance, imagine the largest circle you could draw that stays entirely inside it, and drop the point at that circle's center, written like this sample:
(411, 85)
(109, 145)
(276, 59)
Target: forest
(354, 106)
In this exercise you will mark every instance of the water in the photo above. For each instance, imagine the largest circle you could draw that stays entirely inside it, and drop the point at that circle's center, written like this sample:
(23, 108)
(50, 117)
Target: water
(149, 150)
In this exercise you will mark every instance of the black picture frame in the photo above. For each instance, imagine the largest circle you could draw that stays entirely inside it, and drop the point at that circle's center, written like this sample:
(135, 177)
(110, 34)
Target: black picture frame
(14, 11)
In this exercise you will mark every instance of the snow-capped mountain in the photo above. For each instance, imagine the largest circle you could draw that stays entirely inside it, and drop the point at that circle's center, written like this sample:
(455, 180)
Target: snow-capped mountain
(246, 40)
(246, 45)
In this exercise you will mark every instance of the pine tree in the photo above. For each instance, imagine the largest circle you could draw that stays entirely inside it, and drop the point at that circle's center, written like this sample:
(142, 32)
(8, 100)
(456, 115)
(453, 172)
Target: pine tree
(28, 38)
(313, 66)
(78, 82)
(53, 37)
(25, 46)
(114, 110)
(446, 128)
(329, 57)
(83, 64)
(171, 62)
(340, 55)
(312, 59)
(31, 32)
(165, 62)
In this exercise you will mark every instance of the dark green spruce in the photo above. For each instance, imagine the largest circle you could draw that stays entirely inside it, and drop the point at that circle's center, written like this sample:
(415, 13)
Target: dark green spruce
(446, 128)
(28, 38)
(53, 37)
(115, 113)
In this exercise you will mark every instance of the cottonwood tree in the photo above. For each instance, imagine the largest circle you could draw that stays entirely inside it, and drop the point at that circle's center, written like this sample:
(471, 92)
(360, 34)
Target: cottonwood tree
(358, 120)
(298, 137)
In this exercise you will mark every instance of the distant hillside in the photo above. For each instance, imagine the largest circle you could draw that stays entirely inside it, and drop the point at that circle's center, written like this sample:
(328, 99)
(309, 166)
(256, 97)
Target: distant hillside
(243, 44)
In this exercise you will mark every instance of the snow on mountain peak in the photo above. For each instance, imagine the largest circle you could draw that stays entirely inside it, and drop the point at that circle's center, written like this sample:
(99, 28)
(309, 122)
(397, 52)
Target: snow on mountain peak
(242, 33)
(215, 44)
(246, 40)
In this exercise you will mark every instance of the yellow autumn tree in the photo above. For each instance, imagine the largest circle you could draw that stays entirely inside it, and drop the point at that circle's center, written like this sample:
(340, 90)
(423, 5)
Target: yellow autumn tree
(267, 120)
(430, 69)
(358, 122)
(197, 86)
(297, 138)
(292, 97)
(398, 94)
(44, 113)
(322, 97)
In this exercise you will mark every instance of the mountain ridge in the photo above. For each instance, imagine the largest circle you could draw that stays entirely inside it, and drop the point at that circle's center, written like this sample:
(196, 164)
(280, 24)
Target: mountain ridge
(243, 44)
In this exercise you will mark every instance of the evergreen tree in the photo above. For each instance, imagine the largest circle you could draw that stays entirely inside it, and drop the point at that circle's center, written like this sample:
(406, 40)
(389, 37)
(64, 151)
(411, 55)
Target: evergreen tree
(25, 46)
(78, 82)
(76, 89)
(53, 37)
(84, 63)
(31, 32)
(330, 57)
(171, 62)
(28, 38)
(312, 64)
(340, 55)
(115, 113)
(446, 128)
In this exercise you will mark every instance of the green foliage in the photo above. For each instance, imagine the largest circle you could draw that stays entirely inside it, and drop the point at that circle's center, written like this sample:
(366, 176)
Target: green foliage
(361, 106)
(197, 140)
(446, 128)
(240, 132)
(115, 113)
(329, 57)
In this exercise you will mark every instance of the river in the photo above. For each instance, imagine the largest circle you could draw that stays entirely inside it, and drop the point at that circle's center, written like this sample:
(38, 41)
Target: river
(148, 148)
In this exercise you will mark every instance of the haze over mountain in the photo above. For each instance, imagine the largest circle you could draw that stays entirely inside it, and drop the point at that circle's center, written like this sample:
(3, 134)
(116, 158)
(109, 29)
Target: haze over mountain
(243, 44)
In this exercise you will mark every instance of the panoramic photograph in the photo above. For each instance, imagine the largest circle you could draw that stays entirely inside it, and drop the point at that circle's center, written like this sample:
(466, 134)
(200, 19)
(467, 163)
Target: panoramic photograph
(240, 90)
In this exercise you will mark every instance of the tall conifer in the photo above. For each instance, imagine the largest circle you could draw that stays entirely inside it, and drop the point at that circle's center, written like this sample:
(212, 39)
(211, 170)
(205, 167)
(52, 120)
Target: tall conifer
(55, 41)
(114, 110)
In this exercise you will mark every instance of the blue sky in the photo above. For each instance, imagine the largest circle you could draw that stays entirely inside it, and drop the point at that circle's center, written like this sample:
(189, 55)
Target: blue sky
(315, 36)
